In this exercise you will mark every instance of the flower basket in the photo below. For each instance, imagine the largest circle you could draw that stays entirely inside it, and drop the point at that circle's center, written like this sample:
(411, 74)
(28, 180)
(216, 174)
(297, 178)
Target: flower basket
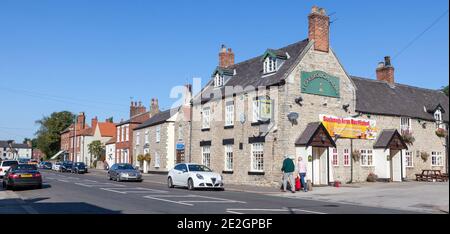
(424, 156)
(372, 177)
(356, 155)
(140, 158)
(440, 132)
(408, 138)
(147, 157)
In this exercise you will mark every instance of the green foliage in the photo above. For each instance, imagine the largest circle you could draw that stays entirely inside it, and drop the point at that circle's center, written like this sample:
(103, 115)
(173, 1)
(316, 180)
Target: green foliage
(445, 90)
(48, 138)
(96, 149)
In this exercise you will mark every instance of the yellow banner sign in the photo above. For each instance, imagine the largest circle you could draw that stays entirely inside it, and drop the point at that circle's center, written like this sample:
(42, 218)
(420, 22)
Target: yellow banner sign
(350, 127)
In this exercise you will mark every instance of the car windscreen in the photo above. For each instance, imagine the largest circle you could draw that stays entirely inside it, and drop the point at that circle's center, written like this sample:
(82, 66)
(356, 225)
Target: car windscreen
(9, 163)
(125, 167)
(199, 168)
(24, 167)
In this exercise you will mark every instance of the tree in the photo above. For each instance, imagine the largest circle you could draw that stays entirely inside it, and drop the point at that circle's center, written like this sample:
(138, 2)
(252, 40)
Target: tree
(48, 138)
(97, 150)
(445, 90)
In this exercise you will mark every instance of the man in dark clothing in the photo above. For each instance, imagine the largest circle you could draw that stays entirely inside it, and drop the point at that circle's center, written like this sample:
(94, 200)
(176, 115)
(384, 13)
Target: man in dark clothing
(288, 169)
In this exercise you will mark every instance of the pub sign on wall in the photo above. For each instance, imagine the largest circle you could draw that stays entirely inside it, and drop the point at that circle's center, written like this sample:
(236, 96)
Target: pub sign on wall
(319, 83)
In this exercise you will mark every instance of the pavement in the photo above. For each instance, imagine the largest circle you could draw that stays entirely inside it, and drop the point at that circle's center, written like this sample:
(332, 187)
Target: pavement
(93, 193)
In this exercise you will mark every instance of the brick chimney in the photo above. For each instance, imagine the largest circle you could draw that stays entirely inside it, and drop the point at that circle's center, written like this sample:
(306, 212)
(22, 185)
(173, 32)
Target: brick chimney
(385, 71)
(226, 57)
(94, 122)
(154, 107)
(319, 29)
(81, 121)
(137, 109)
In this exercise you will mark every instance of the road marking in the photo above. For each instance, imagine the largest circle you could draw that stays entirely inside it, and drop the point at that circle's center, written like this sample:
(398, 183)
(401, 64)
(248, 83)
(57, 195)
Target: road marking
(160, 199)
(61, 180)
(133, 190)
(99, 184)
(93, 181)
(277, 210)
(233, 212)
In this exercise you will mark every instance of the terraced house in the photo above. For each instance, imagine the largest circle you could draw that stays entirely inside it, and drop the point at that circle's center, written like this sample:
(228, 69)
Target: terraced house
(299, 100)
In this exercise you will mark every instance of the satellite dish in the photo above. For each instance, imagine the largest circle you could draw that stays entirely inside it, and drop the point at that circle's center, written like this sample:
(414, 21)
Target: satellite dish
(242, 118)
(293, 116)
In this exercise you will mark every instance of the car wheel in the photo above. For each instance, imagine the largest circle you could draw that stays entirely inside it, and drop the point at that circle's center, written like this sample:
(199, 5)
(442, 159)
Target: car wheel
(118, 178)
(170, 182)
(109, 177)
(39, 186)
(190, 184)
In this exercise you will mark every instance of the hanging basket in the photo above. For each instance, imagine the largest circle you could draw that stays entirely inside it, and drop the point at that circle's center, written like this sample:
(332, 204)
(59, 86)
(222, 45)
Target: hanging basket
(424, 156)
(356, 155)
(140, 158)
(147, 157)
(440, 132)
(408, 138)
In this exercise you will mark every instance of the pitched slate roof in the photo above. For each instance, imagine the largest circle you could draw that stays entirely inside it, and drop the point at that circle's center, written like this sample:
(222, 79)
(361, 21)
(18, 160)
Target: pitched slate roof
(385, 138)
(4, 144)
(307, 134)
(158, 118)
(250, 72)
(379, 97)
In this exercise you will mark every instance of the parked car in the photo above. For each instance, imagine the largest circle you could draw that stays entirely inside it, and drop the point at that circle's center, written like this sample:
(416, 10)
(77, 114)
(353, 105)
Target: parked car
(33, 162)
(79, 168)
(22, 175)
(124, 172)
(5, 165)
(46, 165)
(56, 166)
(194, 176)
(66, 166)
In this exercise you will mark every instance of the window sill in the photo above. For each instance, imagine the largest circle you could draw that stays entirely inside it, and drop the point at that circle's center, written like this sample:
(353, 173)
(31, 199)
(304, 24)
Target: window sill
(228, 127)
(256, 173)
(260, 123)
(366, 166)
(227, 172)
(205, 129)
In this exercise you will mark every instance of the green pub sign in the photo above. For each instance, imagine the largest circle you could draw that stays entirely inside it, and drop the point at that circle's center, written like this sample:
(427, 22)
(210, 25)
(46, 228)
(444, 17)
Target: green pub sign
(319, 83)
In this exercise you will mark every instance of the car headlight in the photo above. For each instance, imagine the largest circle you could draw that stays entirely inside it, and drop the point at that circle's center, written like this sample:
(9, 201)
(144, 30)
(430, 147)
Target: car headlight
(200, 176)
(123, 174)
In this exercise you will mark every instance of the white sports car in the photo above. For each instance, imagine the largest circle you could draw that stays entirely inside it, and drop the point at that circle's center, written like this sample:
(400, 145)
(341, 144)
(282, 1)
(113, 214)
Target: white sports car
(194, 176)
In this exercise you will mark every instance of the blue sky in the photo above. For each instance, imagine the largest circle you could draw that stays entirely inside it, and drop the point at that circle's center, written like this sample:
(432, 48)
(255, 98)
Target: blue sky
(92, 56)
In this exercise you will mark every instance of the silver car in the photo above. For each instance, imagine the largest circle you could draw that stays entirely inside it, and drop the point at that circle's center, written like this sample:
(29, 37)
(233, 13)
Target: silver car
(124, 172)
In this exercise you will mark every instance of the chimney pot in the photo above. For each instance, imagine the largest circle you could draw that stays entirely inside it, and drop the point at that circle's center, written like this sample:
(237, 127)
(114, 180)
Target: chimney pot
(226, 57)
(387, 61)
(385, 71)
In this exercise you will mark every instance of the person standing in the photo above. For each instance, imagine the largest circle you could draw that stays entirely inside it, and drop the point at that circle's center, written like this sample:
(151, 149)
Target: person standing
(288, 173)
(301, 165)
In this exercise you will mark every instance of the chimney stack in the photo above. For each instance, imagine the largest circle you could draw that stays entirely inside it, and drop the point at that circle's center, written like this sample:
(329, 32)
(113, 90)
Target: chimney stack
(154, 107)
(319, 29)
(226, 57)
(81, 121)
(385, 71)
(136, 108)
(94, 122)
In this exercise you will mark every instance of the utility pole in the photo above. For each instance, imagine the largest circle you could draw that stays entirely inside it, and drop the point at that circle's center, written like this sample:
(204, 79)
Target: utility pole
(75, 138)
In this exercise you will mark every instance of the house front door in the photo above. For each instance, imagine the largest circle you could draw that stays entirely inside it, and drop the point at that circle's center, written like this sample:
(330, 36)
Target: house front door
(320, 166)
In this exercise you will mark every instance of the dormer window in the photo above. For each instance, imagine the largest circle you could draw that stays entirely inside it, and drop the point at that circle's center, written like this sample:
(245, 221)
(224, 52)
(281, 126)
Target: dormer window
(438, 118)
(270, 65)
(218, 80)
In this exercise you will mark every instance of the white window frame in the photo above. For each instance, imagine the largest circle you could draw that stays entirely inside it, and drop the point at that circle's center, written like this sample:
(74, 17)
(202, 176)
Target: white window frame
(206, 156)
(180, 132)
(438, 118)
(206, 118)
(228, 157)
(147, 140)
(257, 154)
(409, 159)
(122, 130)
(157, 163)
(127, 133)
(346, 157)
(118, 134)
(255, 107)
(158, 133)
(436, 159)
(218, 80)
(138, 138)
(229, 113)
(405, 125)
(335, 157)
(270, 65)
(365, 155)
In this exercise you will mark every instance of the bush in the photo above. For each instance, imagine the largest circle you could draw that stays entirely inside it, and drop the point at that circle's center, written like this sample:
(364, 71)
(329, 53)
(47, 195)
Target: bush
(372, 177)
(140, 158)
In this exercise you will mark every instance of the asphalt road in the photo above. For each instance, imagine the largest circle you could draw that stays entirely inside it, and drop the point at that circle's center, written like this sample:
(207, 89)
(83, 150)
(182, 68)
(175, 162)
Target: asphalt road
(93, 193)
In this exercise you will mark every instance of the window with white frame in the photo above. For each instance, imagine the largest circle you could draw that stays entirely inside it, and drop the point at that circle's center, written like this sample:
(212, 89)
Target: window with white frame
(206, 115)
(409, 159)
(118, 134)
(405, 125)
(138, 138)
(146, 137)
(366, 158)
(127, 133)
(256, 114)
(158, 133)
(334, 157)
(257, 157)
(218, 80)
(270, 65)
(122, 133)
(346, 157)
(436, 159)
(229, 114)
(180, 132)
(228, 157)
(206, 155)
(157, 160)
(438, 118)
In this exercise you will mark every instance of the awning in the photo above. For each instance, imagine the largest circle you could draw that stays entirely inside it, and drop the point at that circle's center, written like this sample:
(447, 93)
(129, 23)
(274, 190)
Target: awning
(57, 155)
(315, 134)
(390, 138)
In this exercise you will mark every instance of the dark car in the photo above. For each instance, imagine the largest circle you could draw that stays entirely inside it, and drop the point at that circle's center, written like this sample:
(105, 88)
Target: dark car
(22, 175)
(124, 172)
(66, 166)
(79, 168)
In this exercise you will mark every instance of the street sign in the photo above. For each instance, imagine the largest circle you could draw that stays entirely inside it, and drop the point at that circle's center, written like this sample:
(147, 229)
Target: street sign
(180, 146)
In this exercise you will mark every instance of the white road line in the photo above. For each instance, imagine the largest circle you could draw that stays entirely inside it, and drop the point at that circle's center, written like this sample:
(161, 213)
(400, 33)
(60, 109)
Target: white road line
(160, 199)
(210, 201)
(112, 190)
(93, 181)
(277, 210)
(233, 212)
(99, 185)
(63, 180)
(221, 199)
(133, 190)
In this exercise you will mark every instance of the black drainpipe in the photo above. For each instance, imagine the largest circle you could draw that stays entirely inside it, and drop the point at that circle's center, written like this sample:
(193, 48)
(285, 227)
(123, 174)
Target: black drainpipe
(328, 166)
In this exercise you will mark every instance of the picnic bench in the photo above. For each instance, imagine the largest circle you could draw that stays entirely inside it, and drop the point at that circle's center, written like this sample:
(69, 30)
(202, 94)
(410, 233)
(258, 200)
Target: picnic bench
(432, 176)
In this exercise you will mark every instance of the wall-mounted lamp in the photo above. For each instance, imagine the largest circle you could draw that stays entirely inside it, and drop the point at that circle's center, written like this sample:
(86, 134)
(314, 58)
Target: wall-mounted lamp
(345, 107)
(299, 101)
